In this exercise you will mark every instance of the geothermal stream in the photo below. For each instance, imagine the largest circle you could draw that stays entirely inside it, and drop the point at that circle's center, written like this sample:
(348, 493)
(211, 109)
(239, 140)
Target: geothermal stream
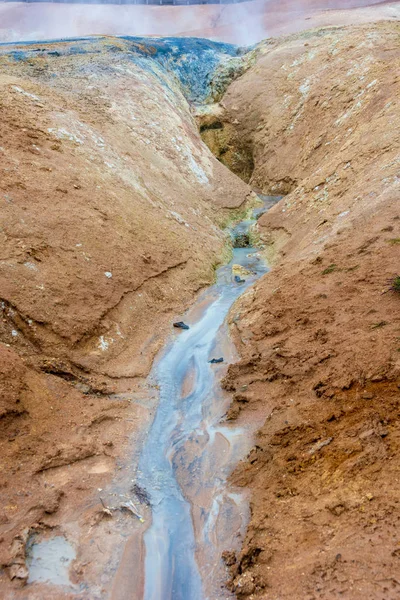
(189, 454)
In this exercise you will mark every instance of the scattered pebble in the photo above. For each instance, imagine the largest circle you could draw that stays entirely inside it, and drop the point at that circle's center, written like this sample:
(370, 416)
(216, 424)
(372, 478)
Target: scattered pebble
(181, 325)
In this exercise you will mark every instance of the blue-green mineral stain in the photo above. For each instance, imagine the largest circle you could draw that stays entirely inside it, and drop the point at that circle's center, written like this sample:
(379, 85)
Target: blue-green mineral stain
(191, 61)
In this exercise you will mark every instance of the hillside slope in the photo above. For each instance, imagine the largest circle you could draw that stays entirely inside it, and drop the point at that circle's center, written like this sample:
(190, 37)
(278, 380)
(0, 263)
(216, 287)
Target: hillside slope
(111, 206)
(318, 118)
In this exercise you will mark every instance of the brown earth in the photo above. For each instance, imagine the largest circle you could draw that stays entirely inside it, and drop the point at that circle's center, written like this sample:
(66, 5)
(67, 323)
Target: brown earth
(317, 117)
(244, 23)
(111, 206)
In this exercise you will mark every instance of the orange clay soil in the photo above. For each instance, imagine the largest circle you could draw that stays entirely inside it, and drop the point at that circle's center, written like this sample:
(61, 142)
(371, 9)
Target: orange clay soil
(318, 118)
(110, 214)
(110, 203)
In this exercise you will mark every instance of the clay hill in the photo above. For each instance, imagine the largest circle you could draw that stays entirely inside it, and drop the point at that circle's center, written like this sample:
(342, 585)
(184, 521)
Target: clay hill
(316, 117)
(112, 216)
(111, 220)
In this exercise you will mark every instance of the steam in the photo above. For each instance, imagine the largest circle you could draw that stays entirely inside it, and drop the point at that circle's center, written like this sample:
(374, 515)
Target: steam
(244, 23)
(238, 23)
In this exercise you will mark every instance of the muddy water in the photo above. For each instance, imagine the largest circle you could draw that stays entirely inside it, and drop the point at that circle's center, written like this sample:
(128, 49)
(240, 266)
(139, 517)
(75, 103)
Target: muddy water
(49, 560)
(189, 454)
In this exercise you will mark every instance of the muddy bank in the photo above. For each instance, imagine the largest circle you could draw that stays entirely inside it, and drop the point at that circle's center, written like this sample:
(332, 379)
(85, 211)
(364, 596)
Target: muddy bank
(189, 452)
(318, 336)
(112, 210)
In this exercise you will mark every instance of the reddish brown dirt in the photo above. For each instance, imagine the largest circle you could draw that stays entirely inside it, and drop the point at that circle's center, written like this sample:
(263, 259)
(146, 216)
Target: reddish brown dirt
(57, 446)
(245, 23)
(319, 335)
(110, 206)
(317, 117)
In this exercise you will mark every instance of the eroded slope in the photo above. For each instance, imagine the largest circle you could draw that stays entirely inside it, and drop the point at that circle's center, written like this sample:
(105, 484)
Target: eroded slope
(110, 214)
(319, 336)
(92, 176)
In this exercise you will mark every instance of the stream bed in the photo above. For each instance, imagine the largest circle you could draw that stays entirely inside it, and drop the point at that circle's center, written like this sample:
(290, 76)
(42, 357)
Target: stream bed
(190, 453)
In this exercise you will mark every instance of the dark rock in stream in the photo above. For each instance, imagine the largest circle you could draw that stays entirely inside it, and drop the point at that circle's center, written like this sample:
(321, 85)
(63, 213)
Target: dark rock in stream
(241, 240)
(214, 361)
(238, 279)
(181, 325)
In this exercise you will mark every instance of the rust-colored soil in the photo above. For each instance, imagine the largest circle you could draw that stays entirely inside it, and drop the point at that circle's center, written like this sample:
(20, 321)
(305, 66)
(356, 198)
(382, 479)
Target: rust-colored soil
(319, 336)
(110, 206)
(110, 211)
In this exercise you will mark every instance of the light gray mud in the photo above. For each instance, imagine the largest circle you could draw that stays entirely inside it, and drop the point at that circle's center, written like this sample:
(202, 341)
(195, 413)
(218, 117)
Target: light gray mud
(189, 453)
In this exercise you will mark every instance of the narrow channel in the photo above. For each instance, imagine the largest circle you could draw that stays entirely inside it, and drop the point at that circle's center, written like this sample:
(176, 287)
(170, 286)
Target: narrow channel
(187, 437)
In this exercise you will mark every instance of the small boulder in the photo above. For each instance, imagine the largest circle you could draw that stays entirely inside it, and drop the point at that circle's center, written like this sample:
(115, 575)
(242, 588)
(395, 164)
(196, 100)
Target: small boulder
(240, 273)
(241, 240)
(214, 361)
(181, 325)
